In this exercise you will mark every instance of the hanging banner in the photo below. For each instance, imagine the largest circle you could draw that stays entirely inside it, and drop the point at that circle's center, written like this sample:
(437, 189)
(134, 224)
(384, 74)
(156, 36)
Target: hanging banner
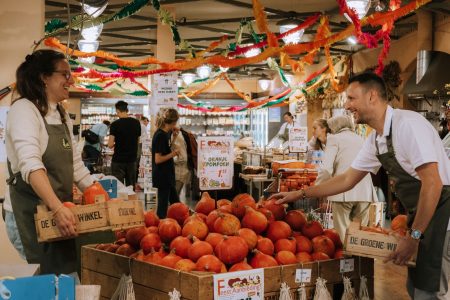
(215, 163)
(298, 139)
(164, 91)
(3, 114)
(248, 285)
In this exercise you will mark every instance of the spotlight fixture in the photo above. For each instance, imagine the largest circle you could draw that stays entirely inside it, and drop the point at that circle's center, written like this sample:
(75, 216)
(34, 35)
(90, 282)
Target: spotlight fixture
(360, 6)
(204, 71)
(288, 24)
(188, 78)
(264, 83)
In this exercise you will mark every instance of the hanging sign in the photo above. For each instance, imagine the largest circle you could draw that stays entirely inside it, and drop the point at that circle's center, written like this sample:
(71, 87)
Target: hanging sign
(3, 114)
(215, 163)
(164, 91)
(246, 285)
(298, 139)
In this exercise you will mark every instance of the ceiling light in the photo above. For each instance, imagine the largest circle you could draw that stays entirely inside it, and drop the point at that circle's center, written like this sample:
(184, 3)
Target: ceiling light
(360, 6)
(188, 78)
(88, 46)
(87, 60)
(204, 71)
(352, 40)
(264, 83)
(179, 82)
(92, 33)
(251, 52)
(293, 38)
(94, 11)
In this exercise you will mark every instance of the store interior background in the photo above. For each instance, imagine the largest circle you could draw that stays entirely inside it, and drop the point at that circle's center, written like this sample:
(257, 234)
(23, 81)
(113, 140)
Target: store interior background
(19, 27)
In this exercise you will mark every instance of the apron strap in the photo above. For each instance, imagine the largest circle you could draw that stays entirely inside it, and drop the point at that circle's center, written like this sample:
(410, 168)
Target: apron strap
(12, 180)
(389, 143)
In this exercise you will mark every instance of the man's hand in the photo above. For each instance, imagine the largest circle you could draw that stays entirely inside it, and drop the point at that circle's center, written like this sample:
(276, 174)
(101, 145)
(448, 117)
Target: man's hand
(65, 221)
(287, 197)
(406, 248)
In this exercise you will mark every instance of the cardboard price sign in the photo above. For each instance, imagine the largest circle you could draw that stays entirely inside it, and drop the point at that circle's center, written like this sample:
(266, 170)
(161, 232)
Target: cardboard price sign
(215, 163)
(245, 285)
(303, 275)
(164, 91)
(298, 139)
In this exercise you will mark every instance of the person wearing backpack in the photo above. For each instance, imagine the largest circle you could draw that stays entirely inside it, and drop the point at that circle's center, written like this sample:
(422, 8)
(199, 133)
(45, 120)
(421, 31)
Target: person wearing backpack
(93, 140)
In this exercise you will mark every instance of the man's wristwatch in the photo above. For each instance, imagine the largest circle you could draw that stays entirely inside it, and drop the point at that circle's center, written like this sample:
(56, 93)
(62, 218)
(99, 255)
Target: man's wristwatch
(416, 234)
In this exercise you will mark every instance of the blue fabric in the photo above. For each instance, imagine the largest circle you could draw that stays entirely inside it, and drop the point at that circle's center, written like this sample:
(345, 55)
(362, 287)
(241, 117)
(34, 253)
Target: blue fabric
(13, 233)
(101, 130)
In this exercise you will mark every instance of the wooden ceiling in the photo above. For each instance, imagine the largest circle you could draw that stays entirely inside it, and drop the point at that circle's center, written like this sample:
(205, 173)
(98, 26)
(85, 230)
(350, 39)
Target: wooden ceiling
(202, 21)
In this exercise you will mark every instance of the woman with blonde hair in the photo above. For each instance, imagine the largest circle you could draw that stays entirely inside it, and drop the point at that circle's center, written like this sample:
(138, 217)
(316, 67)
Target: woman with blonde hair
(343, 145)
(163, 152)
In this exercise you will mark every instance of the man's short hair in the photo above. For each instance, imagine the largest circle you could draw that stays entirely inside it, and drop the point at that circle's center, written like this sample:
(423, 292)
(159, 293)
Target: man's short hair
(106, 122)
(122, 106)
(371, 80)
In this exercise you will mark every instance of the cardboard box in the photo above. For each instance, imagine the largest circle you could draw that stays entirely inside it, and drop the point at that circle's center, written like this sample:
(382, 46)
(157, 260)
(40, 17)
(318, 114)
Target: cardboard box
(155, 282)
(370, 244)
(110, 215)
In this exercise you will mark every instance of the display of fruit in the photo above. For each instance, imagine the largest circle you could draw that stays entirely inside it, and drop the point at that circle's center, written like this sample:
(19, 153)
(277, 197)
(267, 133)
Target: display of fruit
(400, 224)
(95, 194)
(69, 204)
(246, 237)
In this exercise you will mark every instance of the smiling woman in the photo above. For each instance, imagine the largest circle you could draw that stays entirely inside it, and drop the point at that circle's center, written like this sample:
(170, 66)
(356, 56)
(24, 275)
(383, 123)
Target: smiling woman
(42, 163)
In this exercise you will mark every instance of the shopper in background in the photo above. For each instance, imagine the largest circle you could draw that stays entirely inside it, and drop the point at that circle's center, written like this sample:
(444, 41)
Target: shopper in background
(343, 145)
(409, 148)
(92, 151)
(144, 124)
(42, 162)
(184, 162)
(320, 132)
(163, 153)
(124, 137)
(283, 133)
(144, 135)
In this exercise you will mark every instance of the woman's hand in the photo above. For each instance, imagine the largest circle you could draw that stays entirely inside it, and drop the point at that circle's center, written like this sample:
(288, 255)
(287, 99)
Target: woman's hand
(65, 221)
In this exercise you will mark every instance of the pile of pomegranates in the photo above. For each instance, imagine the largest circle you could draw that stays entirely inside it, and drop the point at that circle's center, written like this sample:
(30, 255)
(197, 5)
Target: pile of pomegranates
(225, 235)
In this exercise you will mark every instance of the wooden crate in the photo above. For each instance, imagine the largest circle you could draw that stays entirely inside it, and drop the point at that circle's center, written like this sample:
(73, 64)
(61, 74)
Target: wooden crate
(370, 244)
(155, 282)
(110, 215)
(376, 214)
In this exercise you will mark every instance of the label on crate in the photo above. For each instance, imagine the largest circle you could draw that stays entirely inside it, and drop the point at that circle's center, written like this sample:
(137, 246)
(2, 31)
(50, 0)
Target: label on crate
(302, 275)
(245, 285)
(347, 265)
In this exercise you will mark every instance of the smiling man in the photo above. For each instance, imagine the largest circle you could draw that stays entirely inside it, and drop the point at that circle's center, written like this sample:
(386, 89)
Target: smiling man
(409, 148)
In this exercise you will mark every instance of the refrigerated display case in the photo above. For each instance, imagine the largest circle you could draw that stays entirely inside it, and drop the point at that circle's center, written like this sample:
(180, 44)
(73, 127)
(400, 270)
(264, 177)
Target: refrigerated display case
(259, 120)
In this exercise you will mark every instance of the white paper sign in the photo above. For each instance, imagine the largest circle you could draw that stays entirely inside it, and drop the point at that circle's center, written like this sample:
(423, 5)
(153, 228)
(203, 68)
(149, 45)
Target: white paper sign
(347, 265)
(298, 139)
(245, 285)
(302, 275)
(3, 115)
(164, 91)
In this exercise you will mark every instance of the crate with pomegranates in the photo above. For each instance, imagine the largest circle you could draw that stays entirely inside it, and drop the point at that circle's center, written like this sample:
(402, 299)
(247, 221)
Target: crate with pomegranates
(375, 241)
(96, 213)
(184, 250)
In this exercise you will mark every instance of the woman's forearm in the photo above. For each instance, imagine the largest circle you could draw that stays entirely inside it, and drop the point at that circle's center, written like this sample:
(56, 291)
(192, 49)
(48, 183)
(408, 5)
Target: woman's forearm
(41, 185)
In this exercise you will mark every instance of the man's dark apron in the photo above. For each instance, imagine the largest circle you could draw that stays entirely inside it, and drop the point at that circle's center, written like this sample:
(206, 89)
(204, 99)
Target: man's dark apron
(426, 274)
(55, 257)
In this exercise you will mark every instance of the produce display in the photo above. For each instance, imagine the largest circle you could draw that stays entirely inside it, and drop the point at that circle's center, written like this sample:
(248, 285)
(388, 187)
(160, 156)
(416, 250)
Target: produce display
(294, 181)
(225, 236)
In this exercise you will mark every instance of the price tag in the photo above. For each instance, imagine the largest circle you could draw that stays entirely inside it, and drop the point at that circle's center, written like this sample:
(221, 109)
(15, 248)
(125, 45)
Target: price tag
(302, 275)
(347, 265)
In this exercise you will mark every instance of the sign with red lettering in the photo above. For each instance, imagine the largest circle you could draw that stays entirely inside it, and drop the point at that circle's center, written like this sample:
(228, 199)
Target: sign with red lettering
(242, 285)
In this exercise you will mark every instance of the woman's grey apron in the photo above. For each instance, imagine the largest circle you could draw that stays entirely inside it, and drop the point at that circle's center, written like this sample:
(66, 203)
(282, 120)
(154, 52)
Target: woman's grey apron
(426, 274)
(54, 257)
(285, 135)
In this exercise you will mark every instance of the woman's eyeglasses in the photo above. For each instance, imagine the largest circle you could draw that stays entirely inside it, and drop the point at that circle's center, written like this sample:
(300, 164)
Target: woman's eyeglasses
(66, 74)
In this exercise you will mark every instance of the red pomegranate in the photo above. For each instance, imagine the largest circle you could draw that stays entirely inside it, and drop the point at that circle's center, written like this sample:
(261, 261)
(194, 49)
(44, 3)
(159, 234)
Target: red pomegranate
(196, 216)
(223, 202)
(170, 260)
(227, 224)
(155, 257)
(269, 214)
(339, 254)
(181, 245)
(179, 212)
(303, 257)
(312, 229)
(323, 244)
(125, 249)
(278, 210)
(112, 248)
(319, 256)
(278, 230)
(185, 265)
(266, 246)
(209, 263)
(198, 249)
(240, 202)
(249, 236)
(400, 224)
(149, 242)
(227, 208)
(151, 219)
(135, 235)
(211, 219)
(120, 242)
(285, 258)
(213, 238)
(296, 219)
(119, 234)
(195, 227)
(168, 229)
(152, 229)
(261, 260)
(240, 266)
(288, 244)
(254, 220)
(303, 244)
(334, 236)
(206, 204)
(231, 250)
